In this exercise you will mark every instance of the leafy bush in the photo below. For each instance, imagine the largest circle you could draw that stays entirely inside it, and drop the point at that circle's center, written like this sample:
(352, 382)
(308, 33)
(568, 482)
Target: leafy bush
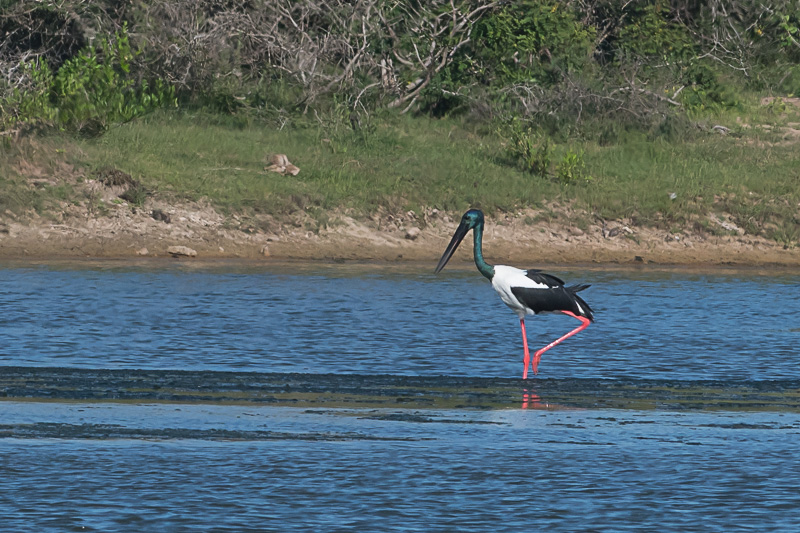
(531, 41)
(704, 90)
(572, 168)
(650, 36)
(88, 92)
(30, 102)
(95, 89)
(532, 152)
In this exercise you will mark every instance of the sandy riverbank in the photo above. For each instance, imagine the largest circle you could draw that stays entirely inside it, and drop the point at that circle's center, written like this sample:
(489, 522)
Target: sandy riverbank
(510, 239)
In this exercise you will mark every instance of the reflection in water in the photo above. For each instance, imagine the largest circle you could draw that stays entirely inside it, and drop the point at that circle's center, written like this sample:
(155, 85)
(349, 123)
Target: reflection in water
(530, 399)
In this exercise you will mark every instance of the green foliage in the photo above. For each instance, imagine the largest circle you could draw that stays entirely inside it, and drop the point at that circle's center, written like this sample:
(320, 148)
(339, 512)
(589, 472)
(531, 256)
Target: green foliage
(790, 81)
(704, 91)
(30, 103)
(666, 53)
(790, 30)
(776, 35)
(787, 27)
(532, 152)
(535, 153)
(95, 89)
(572, 168)
(570, 65)
(340, 127)
(88, 92)
(651, 35)
(531, 41)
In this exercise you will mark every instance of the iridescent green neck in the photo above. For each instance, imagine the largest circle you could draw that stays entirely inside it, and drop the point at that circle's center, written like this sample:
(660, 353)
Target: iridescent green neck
(483, 267)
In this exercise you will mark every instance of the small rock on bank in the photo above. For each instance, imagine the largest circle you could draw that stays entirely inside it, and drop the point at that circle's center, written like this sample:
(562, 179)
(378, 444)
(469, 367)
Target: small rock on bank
(412, 234)
(178, 251)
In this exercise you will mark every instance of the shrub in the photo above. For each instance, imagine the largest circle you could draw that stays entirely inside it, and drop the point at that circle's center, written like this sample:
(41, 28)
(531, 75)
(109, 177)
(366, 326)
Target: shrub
(88, 92)
(572, 168)
(650, 36)
(29, 102)
(95, 89)
(531, 152)
(532, 41)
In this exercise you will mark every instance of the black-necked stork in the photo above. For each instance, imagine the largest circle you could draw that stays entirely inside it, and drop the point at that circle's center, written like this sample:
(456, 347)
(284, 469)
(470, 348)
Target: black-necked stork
(526, 292)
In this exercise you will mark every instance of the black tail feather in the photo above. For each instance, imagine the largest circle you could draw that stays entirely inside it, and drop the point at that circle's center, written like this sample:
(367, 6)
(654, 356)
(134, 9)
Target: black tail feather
(577, 288)
(587, 311)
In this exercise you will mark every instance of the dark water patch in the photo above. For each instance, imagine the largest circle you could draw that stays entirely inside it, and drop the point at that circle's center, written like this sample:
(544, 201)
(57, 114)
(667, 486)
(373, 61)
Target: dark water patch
(386, 391)
(423, 419)
(579, 443)
(745, 425)
(43, 430)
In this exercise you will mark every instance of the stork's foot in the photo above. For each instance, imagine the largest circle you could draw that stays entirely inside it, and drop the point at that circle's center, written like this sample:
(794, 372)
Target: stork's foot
(536, 358)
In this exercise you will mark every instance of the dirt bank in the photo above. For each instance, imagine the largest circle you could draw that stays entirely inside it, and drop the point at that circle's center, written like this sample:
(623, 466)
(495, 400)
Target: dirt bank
(155, 229)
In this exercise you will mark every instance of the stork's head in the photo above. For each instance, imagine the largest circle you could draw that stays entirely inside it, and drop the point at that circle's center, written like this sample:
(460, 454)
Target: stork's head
(471, 220)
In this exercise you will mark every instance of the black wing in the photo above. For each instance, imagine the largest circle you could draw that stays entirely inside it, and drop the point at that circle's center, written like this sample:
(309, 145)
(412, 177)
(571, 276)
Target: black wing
(554, 298)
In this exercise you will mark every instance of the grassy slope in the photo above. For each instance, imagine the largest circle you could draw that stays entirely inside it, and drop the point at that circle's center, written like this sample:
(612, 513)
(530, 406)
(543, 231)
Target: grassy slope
(406, 163)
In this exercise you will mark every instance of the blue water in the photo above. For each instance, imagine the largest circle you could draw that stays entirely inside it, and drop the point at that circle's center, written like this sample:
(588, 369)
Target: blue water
(556, 469)
(371, 320)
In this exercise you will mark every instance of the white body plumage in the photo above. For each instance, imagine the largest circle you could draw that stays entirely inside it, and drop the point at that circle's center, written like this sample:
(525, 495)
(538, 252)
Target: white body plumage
(507, 277)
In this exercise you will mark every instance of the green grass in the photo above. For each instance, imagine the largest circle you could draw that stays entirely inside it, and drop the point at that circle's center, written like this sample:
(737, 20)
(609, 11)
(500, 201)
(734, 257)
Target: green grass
(401, 163)
(21, 164)
(758, 184)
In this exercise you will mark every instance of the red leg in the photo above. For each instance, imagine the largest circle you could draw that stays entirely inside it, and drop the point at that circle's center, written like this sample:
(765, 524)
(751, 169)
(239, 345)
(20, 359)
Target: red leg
(527, 359)
(538, 355)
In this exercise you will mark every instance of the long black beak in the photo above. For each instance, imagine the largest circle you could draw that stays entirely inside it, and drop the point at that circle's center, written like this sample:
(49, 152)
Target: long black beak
(458, 236)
